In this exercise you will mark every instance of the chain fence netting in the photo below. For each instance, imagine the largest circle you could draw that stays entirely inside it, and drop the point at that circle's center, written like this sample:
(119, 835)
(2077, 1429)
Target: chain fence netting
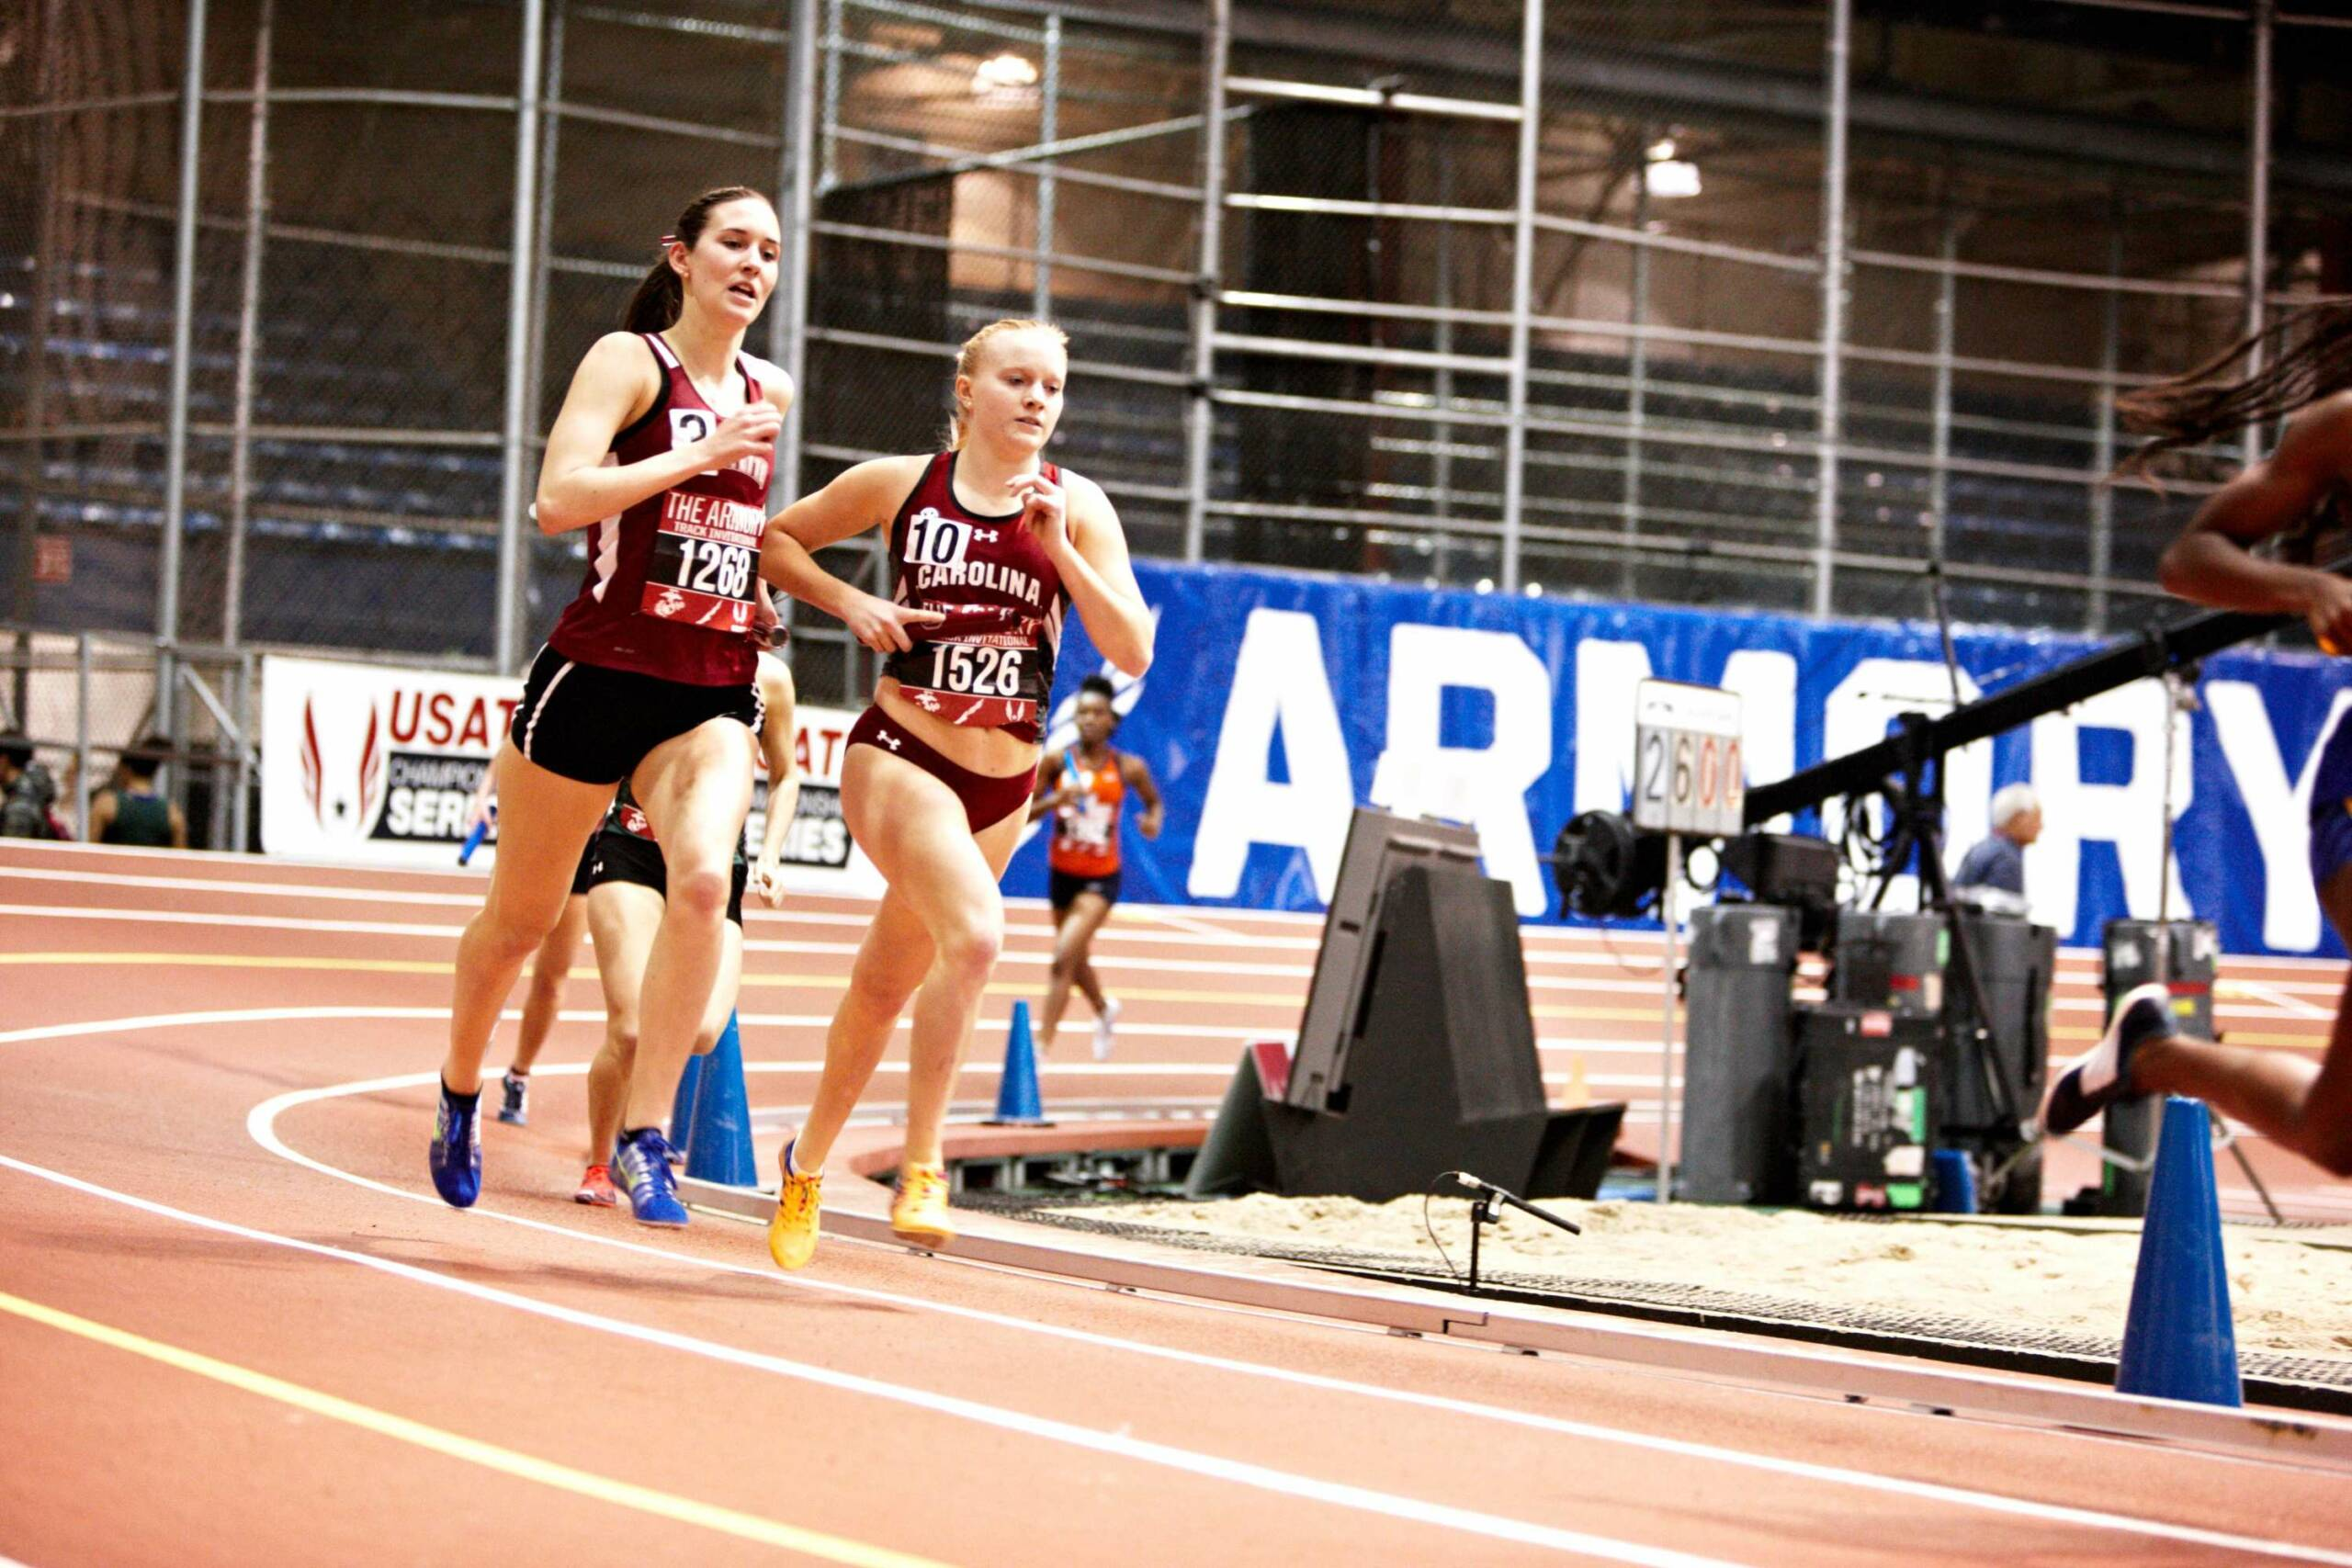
(2040, 205)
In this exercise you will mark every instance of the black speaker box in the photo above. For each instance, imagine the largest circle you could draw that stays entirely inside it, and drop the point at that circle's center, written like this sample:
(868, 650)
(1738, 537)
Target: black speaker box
(1575, 1152)
(1440, 1065)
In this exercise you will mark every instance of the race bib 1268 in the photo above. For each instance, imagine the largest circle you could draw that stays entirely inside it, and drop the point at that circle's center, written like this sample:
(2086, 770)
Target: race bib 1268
(706, 558)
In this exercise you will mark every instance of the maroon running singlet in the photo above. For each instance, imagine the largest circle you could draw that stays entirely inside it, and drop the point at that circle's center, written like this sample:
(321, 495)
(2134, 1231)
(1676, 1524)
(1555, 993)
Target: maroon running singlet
(991, 664)
(670, 586)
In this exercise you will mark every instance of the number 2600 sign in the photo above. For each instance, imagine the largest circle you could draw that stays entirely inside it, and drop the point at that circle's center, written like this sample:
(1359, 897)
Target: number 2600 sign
(1689, 776)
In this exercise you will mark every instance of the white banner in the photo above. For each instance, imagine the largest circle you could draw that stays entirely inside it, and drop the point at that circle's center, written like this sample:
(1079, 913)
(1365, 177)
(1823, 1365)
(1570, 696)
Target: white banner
(375, 764)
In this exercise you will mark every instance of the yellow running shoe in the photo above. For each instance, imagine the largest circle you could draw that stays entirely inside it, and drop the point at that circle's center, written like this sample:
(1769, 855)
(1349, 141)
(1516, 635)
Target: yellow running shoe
(792, 1234)
(919, 1213)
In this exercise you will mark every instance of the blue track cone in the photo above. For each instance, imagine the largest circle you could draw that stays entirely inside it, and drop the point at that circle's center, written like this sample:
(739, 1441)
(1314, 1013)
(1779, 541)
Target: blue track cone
(1018, 1104)
(719, 1148)
(2178, 1343)
(682, 1109)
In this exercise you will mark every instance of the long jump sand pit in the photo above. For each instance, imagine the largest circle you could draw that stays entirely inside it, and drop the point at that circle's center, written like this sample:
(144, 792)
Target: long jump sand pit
(2290, 1287)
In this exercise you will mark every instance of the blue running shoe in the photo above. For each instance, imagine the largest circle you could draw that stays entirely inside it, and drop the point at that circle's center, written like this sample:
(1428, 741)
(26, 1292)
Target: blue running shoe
(455, 1157)
(642, 1163)
(515, 1104)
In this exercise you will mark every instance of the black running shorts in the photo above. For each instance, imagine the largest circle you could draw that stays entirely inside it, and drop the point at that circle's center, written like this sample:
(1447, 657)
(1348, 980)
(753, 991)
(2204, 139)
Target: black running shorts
(1062, 887)
(596, 725)
(625, 857)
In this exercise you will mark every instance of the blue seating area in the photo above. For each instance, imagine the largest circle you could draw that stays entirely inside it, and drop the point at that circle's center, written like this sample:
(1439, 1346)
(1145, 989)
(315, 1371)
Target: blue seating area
(1729, 455)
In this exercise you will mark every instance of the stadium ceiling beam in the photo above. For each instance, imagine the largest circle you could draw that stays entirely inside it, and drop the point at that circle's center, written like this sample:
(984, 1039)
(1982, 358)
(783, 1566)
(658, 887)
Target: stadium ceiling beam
(1658, 83)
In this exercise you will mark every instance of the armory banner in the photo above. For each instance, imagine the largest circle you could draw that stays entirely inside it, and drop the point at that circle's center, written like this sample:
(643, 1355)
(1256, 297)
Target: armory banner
(373, 762)
(1278, 702)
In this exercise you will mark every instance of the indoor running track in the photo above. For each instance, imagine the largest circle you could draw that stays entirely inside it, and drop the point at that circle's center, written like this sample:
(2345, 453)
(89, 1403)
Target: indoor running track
(236, 1327)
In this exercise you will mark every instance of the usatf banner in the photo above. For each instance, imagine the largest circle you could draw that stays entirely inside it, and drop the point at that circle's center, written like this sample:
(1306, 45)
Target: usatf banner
(372, 762)
(1277, 703)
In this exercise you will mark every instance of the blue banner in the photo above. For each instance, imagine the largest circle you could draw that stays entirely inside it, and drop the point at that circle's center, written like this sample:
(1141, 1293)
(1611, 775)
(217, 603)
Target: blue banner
(1276, 703)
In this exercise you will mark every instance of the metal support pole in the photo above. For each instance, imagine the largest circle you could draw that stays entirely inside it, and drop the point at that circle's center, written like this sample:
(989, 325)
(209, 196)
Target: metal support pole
(2111, 348)
(1048, 128)
(2180, 698)
(1441, 380)
(1637, 364)
(240, 818)
(789, 334)
(1833, 303)
(1201, 412)
(829, 147)
(44, 313)
(1672, 962)
(80, 736)
(167, 574)
(216, 828)
(1522, 282)
(2257, 197)
(241, 431)
(514, 489)
(1939, 415)
(535, 376)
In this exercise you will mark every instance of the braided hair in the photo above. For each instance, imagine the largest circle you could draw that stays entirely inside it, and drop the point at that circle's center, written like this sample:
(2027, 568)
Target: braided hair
(2197, 407)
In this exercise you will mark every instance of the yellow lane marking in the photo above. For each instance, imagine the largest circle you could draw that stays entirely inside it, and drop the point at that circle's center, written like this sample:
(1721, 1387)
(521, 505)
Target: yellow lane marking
(441, 966)
(563, 1477)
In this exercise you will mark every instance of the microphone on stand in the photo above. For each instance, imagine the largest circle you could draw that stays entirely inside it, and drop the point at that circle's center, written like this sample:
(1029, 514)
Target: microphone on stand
(1494, 1194)
(1482, 1213)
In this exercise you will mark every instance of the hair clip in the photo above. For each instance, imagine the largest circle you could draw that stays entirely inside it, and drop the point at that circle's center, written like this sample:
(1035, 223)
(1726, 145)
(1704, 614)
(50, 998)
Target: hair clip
(667, 241)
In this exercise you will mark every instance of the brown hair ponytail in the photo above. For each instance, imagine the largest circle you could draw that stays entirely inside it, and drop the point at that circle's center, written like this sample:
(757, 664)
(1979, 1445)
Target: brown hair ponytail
(2195, 408)
(660, 296)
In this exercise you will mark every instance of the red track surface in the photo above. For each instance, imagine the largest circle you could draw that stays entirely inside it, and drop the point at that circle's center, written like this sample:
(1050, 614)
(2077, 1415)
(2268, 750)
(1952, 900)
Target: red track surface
(234, 1324)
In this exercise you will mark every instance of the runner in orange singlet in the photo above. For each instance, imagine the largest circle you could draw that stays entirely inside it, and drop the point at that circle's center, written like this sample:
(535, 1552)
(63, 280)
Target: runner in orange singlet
(1082, 789)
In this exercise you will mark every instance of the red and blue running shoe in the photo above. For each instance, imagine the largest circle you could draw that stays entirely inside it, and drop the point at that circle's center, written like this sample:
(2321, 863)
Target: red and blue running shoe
(642, 1162)
(456, 1156)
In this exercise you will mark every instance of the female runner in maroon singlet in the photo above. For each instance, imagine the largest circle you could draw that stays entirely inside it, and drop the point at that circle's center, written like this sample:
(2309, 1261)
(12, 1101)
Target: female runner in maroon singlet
(663, 451)
(988, 544)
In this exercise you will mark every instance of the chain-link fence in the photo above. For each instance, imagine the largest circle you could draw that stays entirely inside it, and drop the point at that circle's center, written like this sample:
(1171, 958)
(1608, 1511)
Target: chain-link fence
(1815, 305)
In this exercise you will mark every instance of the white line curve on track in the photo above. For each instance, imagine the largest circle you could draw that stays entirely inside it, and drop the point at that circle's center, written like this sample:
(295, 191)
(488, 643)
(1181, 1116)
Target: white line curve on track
(1265, 1478)
(261, 1124)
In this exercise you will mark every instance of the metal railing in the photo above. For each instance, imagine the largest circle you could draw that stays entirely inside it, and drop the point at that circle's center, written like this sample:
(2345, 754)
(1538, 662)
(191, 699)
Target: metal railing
(1502, 428)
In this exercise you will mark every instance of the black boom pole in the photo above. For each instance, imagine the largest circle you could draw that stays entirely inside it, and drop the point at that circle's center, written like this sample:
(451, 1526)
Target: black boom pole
(2151, 652)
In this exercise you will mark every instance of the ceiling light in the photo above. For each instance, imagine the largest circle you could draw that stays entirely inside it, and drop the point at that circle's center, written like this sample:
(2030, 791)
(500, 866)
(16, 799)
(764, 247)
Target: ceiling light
(1003, 73)
(1670, 178)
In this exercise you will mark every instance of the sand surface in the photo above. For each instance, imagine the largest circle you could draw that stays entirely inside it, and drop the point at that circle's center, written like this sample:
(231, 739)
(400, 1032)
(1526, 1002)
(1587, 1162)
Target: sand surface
(2291, 1289)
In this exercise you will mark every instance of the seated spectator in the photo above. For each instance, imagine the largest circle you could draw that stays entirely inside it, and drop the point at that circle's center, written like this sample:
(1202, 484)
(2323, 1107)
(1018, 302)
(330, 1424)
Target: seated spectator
(27, 792)
(129, 810)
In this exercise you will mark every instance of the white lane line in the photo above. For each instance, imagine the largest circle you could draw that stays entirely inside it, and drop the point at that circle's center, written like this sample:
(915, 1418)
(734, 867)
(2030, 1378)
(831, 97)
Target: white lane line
(240, 921)
(1207, 936)
(1543, 943)
(1636, 1081)
(2278, 997)
(1643, 1050)
(1032, 957)
(230, 1015)
(261, 1125)
(439, 1014)
(1187, 923)
(1264, 1478)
